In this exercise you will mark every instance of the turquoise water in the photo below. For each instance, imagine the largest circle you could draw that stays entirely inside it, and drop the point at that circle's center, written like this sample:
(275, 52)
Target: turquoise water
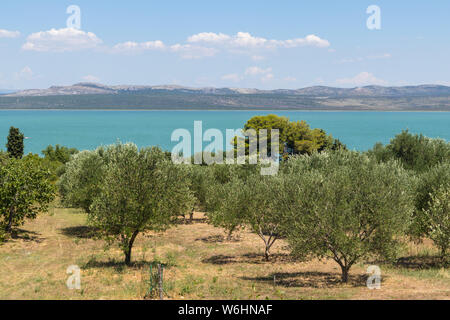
(89, 129)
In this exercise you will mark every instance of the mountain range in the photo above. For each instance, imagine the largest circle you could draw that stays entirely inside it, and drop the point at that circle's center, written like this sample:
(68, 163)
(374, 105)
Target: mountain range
(169, 97)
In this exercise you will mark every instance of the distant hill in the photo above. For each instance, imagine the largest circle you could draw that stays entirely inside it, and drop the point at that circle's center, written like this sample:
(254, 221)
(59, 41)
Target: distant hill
(170, 97)
(6, 91)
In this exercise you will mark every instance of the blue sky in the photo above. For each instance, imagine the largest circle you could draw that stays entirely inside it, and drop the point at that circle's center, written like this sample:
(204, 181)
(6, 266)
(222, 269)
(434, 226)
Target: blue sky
(256, 44)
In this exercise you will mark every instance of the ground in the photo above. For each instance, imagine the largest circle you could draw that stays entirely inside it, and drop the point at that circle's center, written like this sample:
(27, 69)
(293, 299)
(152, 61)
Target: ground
(201, 264)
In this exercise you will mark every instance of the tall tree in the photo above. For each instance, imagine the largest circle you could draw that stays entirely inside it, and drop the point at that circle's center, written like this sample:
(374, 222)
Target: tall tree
(15, 144)
(141, 191)
(295, 137)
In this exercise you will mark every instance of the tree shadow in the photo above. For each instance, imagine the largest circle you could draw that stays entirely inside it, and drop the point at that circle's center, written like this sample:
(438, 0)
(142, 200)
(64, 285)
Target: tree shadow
(251, 258)
(218, 238)
(186, 221)
(309, 279)
(26, 235)
(117, 265)
(81, 232)
(420, 262)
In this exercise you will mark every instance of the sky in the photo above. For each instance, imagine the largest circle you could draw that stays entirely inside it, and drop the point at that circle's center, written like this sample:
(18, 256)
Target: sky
(245, 44)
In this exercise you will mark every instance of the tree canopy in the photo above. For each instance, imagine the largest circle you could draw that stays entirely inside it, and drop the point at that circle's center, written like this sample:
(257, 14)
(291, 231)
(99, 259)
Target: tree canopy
(415, 151)
(294, 137)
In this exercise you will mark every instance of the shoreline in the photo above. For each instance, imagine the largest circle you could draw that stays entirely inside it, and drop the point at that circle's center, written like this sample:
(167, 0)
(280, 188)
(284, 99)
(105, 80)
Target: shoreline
(226, 110)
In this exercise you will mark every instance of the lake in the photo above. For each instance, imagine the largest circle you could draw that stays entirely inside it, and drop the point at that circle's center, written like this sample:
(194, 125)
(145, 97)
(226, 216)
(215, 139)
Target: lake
(89, 129)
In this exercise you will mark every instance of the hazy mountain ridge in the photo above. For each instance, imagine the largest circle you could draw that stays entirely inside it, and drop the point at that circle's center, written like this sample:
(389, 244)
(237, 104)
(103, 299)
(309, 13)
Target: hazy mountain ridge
(96, 88)
(173, 97)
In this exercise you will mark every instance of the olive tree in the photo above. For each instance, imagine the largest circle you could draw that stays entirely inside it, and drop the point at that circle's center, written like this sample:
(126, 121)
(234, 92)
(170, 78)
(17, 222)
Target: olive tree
(225, 210)
(348, 209)
(415, 152)
(225, 184)
(141, 190)
(81, 181)
(427, 186)
(200, 179)
(25, 191)
(262, 210)
(438, 218)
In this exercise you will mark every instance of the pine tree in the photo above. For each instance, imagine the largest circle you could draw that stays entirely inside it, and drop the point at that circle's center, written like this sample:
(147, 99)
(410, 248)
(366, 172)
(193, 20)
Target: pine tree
(15, 144)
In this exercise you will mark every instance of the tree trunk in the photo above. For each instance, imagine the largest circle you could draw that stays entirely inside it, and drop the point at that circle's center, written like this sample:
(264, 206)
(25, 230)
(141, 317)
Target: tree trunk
(230, 234)
(130, 247)
(267, 254)
(345, 270)
(8, 228)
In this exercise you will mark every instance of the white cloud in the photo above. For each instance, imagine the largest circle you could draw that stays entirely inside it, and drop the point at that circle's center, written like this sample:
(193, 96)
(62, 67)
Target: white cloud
(9, 34)
(246, 40)
(267, 77)
(61, 40)
(310, 40)
(208, 37)
(361, 79)
(232, 77)
(188, 51)
(25, 74)
(250, 72)
(253, 71)
(91, 78)
(380, 56)
(131, 46)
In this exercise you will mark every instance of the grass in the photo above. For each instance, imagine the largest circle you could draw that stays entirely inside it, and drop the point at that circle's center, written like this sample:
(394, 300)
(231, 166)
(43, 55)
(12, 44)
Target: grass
(200, 264)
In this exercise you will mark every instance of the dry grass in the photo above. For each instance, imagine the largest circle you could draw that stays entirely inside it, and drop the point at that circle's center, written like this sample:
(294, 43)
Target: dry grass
(201, 264)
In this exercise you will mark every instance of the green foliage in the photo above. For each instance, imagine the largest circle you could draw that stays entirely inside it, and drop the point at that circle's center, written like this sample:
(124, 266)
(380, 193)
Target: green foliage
(15, 144)
(3, 157)
(438, 220)
(80, 183)
(140, 191)
(262, 208)
(294, 137)
(200, 177)
(59, 153)
(416, 152)
(25, 190)
(429, 183)
(344, 206)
